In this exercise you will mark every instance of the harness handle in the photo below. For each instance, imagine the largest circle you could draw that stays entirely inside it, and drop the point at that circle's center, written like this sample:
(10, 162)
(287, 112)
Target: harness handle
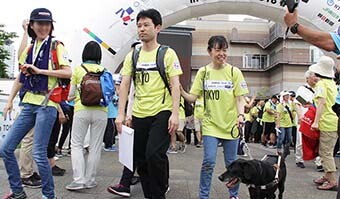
(278, 169)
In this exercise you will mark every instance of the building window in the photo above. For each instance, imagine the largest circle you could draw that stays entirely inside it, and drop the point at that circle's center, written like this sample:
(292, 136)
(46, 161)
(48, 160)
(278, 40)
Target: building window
(255, 61)
(315, 54)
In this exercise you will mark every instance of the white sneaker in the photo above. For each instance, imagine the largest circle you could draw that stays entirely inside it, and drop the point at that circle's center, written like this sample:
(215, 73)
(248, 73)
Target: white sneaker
(91, 184)
(75, 186)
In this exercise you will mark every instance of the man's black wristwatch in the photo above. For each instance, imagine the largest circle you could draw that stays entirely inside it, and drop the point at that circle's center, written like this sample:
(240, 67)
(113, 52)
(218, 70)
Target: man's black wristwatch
(294, 28)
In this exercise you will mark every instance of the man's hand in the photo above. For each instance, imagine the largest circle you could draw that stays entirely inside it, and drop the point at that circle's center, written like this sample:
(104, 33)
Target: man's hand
(173, 124)
(128, 121)
(8, 109)
(290, 18)
(119, 123)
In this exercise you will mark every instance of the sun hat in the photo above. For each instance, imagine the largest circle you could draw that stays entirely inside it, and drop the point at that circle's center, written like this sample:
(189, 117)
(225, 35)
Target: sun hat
(324, 67)
(292, 93)
(39, 14)
(284, 92)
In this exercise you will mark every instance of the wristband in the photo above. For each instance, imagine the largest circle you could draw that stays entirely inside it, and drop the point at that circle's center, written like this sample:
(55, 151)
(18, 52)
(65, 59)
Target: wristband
(294, 28)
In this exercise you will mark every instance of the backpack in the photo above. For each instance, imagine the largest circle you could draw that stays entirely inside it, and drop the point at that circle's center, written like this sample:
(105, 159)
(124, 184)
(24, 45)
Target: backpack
(159, 63)
(108, 88)
(260, 112)
(96, 88)
(61, 89)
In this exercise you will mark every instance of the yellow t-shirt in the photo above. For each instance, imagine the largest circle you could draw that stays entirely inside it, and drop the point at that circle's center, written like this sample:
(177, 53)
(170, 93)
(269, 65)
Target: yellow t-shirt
(326, 88)
(285, 120)
(77, 76)
(38, 99)
(221, 88)
(151, 96)
(266, 117)
(254, 112)
(181, 109)
(248, 117)
(199, 108)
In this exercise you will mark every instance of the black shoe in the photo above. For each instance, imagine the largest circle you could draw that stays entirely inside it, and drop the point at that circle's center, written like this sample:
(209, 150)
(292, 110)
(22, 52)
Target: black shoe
(31, 182)
(135, 180)
(300, 164)
(36, 176)
(199, 145)
(320, 168)
(57, 171)
(119, 190)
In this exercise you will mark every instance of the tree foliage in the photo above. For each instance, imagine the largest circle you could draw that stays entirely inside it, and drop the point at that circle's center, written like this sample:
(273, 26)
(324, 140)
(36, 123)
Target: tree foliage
(5, 40)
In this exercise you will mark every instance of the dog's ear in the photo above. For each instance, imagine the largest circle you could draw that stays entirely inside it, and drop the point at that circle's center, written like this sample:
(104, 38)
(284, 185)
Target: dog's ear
(249, 170)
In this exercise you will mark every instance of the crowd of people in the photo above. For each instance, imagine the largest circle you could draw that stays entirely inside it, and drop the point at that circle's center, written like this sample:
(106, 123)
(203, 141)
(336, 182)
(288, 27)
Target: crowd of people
(161, 112)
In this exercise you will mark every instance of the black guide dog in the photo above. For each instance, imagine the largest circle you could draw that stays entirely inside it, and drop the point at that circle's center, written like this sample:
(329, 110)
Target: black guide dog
(260, 176)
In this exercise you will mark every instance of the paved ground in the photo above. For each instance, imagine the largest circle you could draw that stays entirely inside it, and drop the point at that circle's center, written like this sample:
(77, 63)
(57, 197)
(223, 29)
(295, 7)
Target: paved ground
(184, 179)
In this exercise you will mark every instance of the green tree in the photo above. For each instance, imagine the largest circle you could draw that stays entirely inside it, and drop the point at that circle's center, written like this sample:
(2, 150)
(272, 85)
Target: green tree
(5, 40)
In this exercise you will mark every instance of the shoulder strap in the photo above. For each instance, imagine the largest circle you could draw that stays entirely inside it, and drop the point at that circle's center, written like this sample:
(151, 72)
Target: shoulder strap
(290, 113)
(82, 65)
(161, 51)
(232, 71)
(160, 65)
(135, 56)
(54, 56)
(309, 88)
(203, 84)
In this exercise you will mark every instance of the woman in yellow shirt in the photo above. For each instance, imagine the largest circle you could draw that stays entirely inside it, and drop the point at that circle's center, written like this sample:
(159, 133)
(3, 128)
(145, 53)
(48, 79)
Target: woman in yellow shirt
(222, 87)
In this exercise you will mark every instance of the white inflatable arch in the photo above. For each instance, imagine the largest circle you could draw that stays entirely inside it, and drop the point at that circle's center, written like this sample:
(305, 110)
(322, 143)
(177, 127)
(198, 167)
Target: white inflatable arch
(115, 27)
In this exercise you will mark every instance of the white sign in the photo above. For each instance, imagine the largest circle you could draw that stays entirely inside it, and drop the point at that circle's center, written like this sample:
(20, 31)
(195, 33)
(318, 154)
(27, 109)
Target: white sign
(6, 123)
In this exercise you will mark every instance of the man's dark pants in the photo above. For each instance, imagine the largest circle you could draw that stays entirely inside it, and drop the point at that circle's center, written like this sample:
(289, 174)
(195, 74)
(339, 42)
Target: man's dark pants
(151, 142)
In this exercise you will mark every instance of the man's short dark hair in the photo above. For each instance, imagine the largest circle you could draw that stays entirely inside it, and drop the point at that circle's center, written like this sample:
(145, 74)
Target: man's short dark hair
(92, 52)
(152, 14)
(274, 97)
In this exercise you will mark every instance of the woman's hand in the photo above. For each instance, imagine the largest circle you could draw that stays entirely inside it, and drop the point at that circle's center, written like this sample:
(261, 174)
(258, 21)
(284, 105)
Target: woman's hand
(315, 126)
(32, 70)
(240, 120)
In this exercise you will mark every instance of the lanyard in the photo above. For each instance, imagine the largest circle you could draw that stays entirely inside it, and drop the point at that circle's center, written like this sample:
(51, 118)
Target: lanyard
(36, 55)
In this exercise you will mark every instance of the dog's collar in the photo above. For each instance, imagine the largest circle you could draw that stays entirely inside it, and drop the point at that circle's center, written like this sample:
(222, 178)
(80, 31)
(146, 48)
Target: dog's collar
(264, 187)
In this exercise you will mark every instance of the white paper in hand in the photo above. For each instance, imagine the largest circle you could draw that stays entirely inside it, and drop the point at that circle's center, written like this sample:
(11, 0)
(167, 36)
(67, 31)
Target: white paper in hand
(126, 147)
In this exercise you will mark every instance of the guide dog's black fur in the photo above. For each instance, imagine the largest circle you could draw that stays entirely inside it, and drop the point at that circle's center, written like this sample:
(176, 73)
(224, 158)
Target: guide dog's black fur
(257, 173)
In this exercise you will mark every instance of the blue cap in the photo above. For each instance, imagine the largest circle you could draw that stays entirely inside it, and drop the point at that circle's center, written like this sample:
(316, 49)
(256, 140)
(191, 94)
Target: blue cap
(41, 14)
